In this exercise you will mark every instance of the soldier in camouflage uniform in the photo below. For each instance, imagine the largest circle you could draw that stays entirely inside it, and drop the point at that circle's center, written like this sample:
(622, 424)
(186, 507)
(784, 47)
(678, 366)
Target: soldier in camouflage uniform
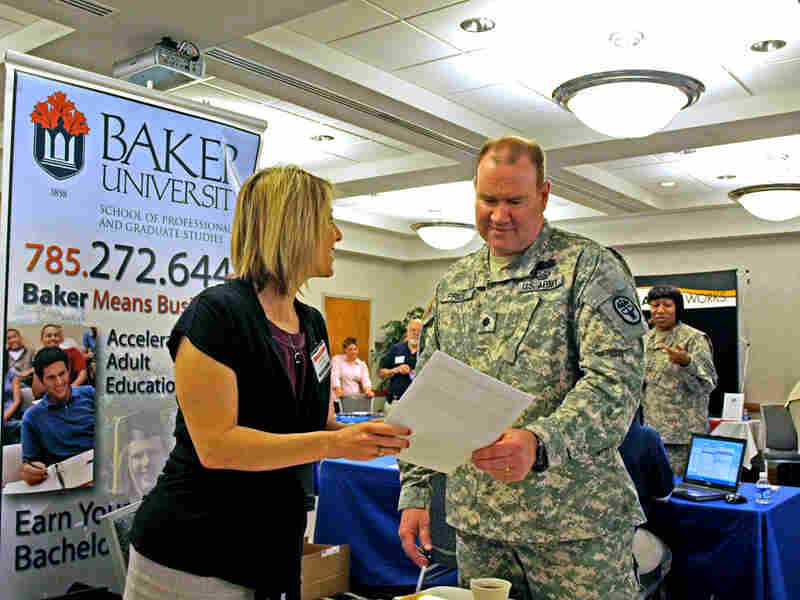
(679, 367)
(549, 505)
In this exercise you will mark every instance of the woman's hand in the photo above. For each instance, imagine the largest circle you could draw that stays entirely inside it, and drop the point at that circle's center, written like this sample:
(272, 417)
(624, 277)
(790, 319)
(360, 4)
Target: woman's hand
(677, 354)
(368, 440)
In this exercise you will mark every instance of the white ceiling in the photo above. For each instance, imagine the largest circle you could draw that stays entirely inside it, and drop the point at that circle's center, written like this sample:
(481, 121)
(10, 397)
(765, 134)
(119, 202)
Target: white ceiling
(408, 97)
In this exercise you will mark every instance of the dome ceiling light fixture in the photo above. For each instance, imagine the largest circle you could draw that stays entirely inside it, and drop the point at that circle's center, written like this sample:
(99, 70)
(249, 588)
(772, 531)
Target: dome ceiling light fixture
(628, 103)
(444, 235)
(769, 201)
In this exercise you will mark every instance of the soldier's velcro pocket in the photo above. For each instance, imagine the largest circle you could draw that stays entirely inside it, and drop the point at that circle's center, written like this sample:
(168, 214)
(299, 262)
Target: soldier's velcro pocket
(624, 314)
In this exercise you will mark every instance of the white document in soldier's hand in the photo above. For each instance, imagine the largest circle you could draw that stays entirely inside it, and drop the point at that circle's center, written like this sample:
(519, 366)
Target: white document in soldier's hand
(452, 410)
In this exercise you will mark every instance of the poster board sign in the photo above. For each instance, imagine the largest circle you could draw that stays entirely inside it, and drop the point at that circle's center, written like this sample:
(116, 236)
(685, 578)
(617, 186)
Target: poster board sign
(733, 406)
(117, 209)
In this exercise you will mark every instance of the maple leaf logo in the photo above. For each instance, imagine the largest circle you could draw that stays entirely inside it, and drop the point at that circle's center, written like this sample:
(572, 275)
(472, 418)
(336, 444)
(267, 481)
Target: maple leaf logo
(57, 108)
(58, 139)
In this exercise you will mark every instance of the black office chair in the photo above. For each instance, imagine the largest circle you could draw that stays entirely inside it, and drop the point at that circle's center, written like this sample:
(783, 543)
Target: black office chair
(117, 528)
(355, 404)
(780, 444)
(653, 561)
(443, 537)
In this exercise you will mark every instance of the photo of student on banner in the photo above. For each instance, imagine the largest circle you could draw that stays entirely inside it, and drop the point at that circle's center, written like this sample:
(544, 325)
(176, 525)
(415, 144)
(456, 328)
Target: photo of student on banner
(26, 387)
(58, 432)
(141, 445)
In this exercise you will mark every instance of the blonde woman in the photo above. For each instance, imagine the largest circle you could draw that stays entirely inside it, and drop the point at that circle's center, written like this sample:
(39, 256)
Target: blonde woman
(252, 373)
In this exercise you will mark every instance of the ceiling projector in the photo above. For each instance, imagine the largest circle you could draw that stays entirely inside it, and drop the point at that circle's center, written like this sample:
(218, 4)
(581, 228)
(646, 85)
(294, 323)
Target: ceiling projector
(166, 65)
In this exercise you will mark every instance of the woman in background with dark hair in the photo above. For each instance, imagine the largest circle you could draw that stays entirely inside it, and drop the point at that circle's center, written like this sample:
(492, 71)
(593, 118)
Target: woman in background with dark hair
(680, 374)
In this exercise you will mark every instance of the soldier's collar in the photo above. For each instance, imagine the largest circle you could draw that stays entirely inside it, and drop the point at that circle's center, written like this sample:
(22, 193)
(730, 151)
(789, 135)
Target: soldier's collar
(523, 266)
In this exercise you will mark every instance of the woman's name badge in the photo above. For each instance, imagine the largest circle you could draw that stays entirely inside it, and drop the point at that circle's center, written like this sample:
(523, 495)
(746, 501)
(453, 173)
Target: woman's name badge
(321, 361)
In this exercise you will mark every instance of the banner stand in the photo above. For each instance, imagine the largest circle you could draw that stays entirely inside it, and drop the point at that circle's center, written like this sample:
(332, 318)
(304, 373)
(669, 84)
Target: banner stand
(117, 210)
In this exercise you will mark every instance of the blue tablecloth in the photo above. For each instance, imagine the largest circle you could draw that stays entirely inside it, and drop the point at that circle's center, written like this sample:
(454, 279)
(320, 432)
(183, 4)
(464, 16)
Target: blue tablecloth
(358, 506)
(345, 418)
(733, 551)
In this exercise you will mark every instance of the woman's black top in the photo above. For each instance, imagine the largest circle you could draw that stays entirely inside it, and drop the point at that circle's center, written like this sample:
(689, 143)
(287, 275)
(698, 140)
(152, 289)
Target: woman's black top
(241, 526)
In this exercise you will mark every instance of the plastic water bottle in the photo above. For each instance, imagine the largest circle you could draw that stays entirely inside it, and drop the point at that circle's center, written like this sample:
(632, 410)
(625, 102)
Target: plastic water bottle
(763, 489)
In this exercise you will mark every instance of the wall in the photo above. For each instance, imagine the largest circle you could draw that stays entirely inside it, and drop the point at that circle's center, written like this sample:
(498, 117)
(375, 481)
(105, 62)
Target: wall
(382, 282)
(768, 304)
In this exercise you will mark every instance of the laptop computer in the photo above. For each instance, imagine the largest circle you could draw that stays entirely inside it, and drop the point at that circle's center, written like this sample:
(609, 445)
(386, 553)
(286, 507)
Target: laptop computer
(714, 468)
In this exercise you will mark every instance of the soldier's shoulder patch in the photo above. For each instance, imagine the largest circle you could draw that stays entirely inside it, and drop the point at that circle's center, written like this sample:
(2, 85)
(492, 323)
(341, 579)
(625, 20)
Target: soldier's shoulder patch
(624, 315)
(627, 309)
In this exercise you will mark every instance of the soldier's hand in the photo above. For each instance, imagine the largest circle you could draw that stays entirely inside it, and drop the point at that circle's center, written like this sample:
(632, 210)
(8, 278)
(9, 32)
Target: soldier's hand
(508, 459)
(414, 523)
(677, 354)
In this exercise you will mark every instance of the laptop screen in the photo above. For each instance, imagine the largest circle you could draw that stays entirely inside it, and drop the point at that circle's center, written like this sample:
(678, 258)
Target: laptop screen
(715, 461)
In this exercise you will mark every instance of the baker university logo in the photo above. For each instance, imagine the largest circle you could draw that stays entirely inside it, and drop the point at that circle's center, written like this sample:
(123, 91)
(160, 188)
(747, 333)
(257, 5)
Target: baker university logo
(58, 140)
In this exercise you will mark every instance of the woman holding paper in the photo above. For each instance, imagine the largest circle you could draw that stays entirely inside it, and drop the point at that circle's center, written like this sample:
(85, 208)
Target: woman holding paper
(252, 376)
(680, 373)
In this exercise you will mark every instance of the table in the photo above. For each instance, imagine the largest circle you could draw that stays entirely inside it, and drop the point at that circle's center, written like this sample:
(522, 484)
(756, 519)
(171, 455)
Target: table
(358, 506)
(732, 551)
(743, 430)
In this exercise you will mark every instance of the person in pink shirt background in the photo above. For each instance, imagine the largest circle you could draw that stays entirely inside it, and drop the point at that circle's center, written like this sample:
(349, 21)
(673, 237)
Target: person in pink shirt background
(350, 374)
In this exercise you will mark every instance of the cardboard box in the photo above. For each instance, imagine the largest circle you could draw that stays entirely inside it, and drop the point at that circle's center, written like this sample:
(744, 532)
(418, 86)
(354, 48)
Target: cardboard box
(326, 570)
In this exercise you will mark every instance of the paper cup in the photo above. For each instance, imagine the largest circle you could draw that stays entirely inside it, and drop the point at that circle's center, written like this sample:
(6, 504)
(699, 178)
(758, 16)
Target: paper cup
(489, 588)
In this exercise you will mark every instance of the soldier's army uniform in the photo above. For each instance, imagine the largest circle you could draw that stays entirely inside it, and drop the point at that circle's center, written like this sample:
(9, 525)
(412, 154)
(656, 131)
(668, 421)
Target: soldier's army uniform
(562, 323)
(676, 399)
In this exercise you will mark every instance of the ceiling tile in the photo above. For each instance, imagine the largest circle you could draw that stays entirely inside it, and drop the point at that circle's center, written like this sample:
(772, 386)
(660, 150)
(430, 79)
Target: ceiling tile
(516, 106)
(445, 24)
(624, 163)
(368, 151)
(8, 27)
(302, 156)
(450, 75)
(300, 111)
(407, 8)
(774, 77)
(379, 47)
(684, 186)
(219, 98)
(340, 20)
(9, 13)
(341, 139)
(371, 135)
(241, 91)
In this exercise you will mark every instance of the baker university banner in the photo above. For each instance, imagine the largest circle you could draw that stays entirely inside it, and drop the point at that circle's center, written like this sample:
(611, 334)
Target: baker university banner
(117, 210)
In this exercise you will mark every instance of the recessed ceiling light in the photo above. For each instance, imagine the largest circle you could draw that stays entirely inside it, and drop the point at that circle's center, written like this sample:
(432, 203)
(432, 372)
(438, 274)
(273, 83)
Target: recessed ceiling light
(726, 177)
(626, 39)
(667, 184)
(767, 45)
(477, 25)
(322, 137)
